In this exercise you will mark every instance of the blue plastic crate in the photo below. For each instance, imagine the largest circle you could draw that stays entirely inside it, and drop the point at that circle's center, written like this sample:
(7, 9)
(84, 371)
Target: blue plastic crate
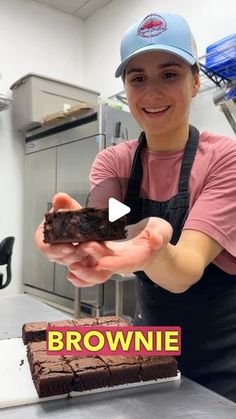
(221, 57)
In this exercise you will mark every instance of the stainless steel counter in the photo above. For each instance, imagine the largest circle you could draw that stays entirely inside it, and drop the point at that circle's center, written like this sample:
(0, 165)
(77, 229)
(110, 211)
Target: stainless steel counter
(184, 399)
(21, 308)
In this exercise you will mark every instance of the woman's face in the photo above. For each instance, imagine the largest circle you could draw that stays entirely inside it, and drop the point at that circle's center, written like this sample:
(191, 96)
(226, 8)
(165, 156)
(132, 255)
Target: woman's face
(159, 88)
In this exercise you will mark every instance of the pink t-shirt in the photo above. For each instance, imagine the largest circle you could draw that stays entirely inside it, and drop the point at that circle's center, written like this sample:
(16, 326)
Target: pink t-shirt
(212, 185)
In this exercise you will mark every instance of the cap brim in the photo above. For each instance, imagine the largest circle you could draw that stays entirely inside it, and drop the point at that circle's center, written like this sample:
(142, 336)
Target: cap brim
(188, 58)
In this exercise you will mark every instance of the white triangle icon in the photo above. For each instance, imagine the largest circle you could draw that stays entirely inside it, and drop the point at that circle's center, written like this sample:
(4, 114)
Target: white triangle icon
(116, 209)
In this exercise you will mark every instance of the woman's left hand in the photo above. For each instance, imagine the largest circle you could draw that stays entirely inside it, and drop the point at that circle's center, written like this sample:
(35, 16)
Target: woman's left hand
(137, 253)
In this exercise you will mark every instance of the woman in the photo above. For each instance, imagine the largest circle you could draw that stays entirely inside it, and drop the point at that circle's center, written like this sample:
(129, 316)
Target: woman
(185, 256)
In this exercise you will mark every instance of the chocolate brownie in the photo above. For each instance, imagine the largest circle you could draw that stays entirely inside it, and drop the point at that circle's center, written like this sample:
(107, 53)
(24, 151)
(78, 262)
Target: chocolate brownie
(54, 375)
(53, 378)
(157, 367)
(36, 331)
(35, 348)
(51, 374)
(40, 357)
(90, 373)
(82, 225)
(123, 369)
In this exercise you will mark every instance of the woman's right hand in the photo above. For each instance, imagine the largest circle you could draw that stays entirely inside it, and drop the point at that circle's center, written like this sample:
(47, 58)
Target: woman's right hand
(68, 254)
(64, 253)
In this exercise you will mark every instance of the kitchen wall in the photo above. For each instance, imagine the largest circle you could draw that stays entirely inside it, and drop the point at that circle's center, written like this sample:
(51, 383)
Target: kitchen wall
(210, 20)
(34, 38)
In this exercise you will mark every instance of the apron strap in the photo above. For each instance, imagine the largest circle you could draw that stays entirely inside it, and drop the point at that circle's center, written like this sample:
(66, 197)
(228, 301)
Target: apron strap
(136, 172)
(188, 159)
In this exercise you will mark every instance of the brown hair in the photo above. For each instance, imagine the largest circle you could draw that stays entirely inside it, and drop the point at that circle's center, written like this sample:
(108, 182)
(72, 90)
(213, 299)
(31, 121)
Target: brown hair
(195, 68)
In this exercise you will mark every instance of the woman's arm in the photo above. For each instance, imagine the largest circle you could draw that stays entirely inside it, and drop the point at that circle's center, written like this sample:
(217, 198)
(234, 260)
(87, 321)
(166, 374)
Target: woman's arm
(176, 268)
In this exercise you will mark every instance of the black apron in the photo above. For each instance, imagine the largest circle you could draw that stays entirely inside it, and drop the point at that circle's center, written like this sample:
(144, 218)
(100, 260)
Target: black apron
(206, 312)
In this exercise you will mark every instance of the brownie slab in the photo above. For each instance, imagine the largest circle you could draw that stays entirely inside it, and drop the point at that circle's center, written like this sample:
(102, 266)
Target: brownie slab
(82, 225)
(60, 374)
(55, 375)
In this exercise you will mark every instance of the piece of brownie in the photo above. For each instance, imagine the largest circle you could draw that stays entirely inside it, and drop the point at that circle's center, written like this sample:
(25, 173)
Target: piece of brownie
(51, 374)
(38, 358)
(123, 369)
(35, 347)
(155, 367)
(90, 373)
(34, 332)
(52, 378)
(82, 225)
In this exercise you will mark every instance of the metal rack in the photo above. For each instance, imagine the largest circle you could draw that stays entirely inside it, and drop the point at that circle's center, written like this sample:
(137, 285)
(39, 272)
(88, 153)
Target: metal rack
(224, 88)
(226, 64)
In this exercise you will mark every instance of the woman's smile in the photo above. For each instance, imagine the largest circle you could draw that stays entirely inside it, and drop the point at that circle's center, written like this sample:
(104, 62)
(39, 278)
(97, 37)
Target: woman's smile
(156, 111)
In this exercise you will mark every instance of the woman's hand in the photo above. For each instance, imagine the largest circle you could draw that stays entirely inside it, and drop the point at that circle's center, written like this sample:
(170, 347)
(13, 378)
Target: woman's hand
(68, 254)
(92, 263)
(60, 253)
(135, 254)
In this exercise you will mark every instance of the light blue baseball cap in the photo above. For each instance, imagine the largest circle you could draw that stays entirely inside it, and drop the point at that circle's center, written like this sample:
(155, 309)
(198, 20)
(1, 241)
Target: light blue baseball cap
(158, 32)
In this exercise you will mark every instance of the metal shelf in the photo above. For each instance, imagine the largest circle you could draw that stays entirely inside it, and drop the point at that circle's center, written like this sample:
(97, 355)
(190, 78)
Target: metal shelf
(214, 77)
(225, 58)
(224, 88)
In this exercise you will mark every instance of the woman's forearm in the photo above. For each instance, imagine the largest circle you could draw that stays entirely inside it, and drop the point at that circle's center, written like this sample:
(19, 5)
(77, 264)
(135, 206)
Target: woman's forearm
(175, 268)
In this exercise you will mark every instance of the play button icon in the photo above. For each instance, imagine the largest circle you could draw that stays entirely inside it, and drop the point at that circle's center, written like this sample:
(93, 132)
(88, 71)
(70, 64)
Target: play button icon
(102, 196)
(116, 209)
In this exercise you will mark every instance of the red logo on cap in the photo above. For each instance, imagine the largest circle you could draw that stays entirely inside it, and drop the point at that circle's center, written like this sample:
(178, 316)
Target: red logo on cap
(152, 25)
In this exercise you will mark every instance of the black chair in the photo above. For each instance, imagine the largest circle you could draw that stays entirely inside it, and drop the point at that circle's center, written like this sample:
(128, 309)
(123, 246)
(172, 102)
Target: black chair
(6, 247)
